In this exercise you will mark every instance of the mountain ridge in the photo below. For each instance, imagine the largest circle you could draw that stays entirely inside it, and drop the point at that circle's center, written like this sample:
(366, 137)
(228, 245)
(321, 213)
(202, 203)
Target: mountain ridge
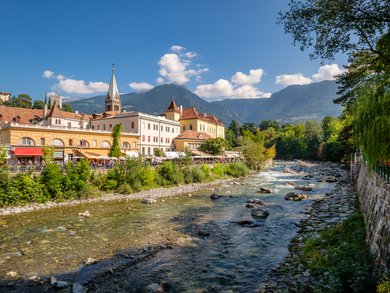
(292, 104)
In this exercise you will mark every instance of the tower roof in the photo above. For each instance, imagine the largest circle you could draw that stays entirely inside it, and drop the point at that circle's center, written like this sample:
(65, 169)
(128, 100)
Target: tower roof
(113, 93)
(173, 107)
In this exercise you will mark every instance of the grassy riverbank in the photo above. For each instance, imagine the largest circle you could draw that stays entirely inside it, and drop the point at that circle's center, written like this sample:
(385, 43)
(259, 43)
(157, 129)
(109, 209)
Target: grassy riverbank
(77, 181)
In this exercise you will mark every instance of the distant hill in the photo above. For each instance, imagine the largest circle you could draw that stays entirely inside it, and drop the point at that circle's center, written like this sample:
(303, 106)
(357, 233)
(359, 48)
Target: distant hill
(293, 104)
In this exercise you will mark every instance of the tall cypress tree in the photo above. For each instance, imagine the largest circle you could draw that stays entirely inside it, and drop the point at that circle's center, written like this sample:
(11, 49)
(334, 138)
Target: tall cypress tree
(115, 150)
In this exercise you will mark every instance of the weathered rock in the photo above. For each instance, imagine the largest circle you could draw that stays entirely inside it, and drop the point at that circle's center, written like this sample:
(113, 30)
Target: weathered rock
(203, 233)
(259, 213)
(250, 205)
(85, 214)
(11, 274)
(90, 261)
(330, 179)
(77, 288)
(255, 201)
(303, 188)
(295, 196)
(62, 284)
(148, 200)
(53, 280)
(154, 288)
(214, 196)
(264, 190)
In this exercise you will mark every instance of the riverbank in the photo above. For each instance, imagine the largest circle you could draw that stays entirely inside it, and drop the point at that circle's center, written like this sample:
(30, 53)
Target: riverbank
(153, 194)
(293, 275)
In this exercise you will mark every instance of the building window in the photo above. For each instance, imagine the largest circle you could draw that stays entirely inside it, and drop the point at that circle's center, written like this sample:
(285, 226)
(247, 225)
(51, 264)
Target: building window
(57, 142)
(148, 151)
(94, 143)
(71, 142)
(106, 144)
(148, 138)
(104, 127)
(126, 145)
(93, 127)
(132, 124)
(98, 127)
(143, 125)
(143, 137)
(143, 150)
(110, 126)
(190, 126)
(162, 140)
(167, 128)
(27, 141)
(42, 141)
(173, 130)
(162, 128)
(84, 143)
(184, 128)
(148, 125)
(69, 125)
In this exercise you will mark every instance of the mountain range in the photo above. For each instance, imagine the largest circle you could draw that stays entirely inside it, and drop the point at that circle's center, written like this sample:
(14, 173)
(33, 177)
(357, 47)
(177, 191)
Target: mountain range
(294, 104)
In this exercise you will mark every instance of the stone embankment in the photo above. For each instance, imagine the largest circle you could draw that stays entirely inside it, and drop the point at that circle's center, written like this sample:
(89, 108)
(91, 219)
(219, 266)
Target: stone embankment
(146, 195)
(335, 207)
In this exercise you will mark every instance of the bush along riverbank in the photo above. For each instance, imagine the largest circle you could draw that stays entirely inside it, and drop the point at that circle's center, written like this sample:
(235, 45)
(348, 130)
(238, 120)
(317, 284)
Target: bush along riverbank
(77, 181)
(329, 253)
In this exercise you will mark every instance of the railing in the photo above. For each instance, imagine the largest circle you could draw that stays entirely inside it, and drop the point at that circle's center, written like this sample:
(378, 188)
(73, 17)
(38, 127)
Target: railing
(384, 172)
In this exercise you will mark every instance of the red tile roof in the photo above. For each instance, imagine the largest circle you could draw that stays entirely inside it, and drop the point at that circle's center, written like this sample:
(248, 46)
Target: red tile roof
(192, 113)
(56, 112)
(9, 114)
(191, 134)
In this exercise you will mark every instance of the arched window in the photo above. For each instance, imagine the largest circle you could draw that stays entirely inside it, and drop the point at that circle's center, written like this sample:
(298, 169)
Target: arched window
(27, 141)
(126, 145)
(106, 144)
(57, 142)
(84, 143)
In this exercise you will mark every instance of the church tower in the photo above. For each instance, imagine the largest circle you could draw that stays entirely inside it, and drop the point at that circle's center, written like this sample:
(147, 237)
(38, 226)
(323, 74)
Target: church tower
(173, 112)
(113, 101)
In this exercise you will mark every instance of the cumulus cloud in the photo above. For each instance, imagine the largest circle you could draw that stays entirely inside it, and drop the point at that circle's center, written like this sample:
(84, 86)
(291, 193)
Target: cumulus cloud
(176, 67)
(140, 86)
(325, 72)
(47, 74)
(241, 86)
(74, 86)
(290, 79)
(253, 77)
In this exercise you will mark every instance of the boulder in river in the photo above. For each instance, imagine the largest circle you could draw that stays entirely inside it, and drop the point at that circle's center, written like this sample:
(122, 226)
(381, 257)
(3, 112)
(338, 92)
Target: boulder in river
(330, 179)
(259, 213)
(77, 288)
(250, 205)
(85, 214)
(264, 190)
(148, 200)
(203, 233)
(294, 196)
(214, 196)
(247, 223)
(154, 288)
(303, 188)
(255, 201)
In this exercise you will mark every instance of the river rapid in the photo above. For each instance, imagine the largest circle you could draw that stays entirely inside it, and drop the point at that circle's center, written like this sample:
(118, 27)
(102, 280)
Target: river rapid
(180, 244)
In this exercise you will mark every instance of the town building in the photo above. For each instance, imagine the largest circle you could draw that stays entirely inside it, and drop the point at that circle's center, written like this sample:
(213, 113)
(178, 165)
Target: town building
(5, 97)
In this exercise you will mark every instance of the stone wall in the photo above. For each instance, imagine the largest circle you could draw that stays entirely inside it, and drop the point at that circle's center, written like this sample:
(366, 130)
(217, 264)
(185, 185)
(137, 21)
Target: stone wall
(374, 198)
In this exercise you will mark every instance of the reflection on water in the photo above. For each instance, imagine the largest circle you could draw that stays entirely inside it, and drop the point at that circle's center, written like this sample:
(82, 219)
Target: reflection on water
(57, 241)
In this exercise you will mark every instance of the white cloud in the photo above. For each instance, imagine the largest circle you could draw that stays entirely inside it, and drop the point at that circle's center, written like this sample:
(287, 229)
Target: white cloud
(290, 79)
(177, 48)
(140, 86)
(74, 86)
(160, 80)
(190, 55)
(253, 77)
(47, 74)
(222, 88)
(327, 72)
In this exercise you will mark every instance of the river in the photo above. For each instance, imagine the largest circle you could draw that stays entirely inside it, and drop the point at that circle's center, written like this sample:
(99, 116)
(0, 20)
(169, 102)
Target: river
(207, 249)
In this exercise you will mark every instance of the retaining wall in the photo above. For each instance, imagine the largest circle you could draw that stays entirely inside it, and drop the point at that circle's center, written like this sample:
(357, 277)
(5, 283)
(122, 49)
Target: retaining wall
(374, 198)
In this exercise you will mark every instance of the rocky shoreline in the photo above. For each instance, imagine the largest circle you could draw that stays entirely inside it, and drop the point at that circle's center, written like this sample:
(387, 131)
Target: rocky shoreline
(145, 195)
(336, 206)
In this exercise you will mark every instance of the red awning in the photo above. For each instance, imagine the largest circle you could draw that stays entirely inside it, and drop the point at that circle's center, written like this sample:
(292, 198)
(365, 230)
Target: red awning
(27, 152)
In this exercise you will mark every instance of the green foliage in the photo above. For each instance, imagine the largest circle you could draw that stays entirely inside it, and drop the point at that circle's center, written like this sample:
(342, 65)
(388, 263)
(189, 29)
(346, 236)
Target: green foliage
(237, 170)
(340, 259)
(21, 101)
(48, 154)
(384, 285)
(219, 170)
(124, 189)
(67, 108)
(170, 174)
(38, 104)
(75, 181)
(3, 154)
(215, 146)
(51, 179)
(22, 188)
(255, 154)
(115, 150)
(158, 152)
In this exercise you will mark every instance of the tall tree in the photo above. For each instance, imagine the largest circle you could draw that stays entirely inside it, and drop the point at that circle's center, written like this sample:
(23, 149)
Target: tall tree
(21, 101)
(39, 104)
(115, 150)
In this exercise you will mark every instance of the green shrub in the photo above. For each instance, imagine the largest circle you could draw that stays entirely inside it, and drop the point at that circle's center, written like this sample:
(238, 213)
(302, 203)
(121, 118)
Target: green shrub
(125, 188)
(187, 174)
(51, 179)
(170, 174)
(109, 184)
(22, 188)
(5, 199)
(384, 285)
(219, 170)
(340, 258)
(206, 169)
(237, 169)
(198, 175)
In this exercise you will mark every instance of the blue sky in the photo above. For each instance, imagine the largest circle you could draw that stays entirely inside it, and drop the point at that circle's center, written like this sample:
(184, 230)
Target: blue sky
(218, 49)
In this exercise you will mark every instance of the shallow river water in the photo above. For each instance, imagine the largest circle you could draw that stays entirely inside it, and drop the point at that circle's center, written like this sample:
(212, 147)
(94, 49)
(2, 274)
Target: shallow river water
(231, 257)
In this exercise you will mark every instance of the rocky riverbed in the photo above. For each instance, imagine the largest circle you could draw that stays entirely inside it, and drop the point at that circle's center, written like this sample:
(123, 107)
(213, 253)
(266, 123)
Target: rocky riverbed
(335, 207)
(181, 243)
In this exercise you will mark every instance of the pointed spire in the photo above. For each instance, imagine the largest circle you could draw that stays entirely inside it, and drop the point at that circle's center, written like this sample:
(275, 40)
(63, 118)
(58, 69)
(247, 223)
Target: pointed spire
(173, 107)
(113, 102)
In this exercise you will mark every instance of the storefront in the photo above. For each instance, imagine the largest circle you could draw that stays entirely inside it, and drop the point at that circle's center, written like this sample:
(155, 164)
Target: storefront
(27, 155)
